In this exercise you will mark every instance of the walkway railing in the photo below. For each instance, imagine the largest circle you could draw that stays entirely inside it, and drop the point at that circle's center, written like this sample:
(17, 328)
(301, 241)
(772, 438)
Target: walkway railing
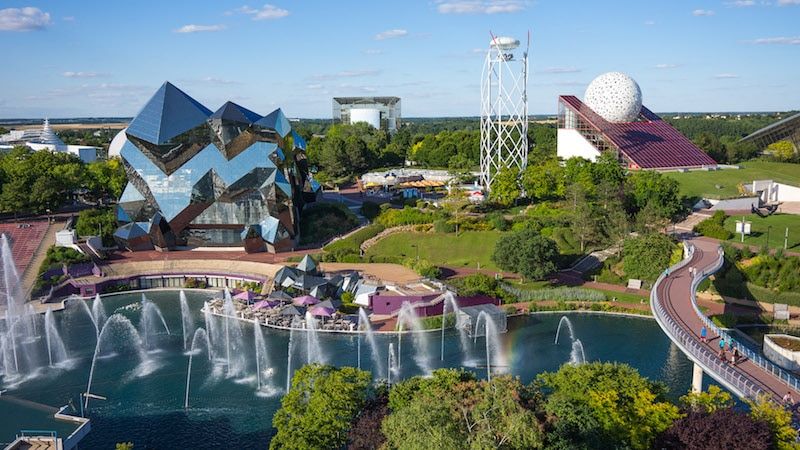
(699, 353)
(753, 356)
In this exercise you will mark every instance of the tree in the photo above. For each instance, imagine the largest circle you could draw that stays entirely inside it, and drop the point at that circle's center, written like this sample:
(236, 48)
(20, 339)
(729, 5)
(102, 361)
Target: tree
(584, 224)
(544, 180)
(505, 187)
(646, 256)
(712, 400)
(648, 187)
(777, 418)
(123, 446)
(453, 412)
(526, 252)
(602, 405)
(94, 221)
(106, 178)
(782, 150)
(617, 224)
(320, 406)
(366, 433)
(579, 171)
(711, 144)
(370, 210)
(724, 428)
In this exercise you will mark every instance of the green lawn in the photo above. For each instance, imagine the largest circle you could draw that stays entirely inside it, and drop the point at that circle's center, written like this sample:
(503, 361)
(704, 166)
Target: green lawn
(443, 249)
(776, 224)
(723, 183)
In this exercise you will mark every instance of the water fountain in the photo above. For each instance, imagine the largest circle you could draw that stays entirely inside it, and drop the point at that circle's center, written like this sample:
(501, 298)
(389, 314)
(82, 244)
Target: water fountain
(56, 352)
(289, 349)
(201, 335)
(88, 311)
(187, 321)
(577, 354)
(565, 320)
(366, 326)
(314, 352)
(450, 299)
(132, 338)
(407, 319)
(235, 357)
(212, 331)
(98, 312)
(391, 364)
(263, 367)
(494, 353)
(149, 321)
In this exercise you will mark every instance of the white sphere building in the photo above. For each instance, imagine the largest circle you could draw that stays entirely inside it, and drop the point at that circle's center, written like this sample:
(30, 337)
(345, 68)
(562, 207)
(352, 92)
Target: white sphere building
(612, 119)
(615, 96)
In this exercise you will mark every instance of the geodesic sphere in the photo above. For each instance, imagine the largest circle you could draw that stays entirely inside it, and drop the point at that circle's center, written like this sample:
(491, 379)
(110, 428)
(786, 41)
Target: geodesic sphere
(615, 96)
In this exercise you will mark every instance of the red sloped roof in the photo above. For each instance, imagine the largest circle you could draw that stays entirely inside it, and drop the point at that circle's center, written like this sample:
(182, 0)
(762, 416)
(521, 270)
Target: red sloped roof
(650, 144)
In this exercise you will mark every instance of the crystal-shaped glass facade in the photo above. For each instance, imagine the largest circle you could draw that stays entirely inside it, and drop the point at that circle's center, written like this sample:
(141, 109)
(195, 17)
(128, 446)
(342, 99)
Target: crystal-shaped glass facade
(208, 177)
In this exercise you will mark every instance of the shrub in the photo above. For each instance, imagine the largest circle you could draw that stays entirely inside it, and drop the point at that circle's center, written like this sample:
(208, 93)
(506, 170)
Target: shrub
(92, 221)
(370, 210)
(322, 221)
(646, 256)
(725, 428)
(498, 221)
(526, 252)
(559, 294)
(352, 243)
(714, 227)
(424, 268)
(405, 216)
(443, 226)
(56, 256)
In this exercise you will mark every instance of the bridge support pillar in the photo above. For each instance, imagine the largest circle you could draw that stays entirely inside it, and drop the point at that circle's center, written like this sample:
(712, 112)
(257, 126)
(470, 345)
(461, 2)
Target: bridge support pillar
(697, 378)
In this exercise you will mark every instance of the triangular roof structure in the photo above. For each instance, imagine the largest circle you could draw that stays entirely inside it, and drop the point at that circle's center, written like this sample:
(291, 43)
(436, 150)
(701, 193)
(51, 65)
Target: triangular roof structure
(167, 114)
(235, 113)
(276, 121)
(307, 264)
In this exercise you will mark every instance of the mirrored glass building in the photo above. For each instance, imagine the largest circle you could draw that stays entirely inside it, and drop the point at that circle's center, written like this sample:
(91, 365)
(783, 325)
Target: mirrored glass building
(226, 178)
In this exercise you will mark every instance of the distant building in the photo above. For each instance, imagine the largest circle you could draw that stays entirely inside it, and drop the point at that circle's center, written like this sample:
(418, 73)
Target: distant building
(380, 112)
(47, 139)
(611, 118)
(787, 129)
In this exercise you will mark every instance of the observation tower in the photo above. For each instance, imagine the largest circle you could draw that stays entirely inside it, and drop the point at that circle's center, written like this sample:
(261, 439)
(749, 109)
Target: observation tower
(504, 108)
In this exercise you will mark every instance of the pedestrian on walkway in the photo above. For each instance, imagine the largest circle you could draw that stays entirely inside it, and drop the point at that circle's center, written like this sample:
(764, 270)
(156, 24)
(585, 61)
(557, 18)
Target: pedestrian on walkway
(666, 271)
(721, 343)
(735, 356)
(721, 354)
(703, 334)
(788, 399)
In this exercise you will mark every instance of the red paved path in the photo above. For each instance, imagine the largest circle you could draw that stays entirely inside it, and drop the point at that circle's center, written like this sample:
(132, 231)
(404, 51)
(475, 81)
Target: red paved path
(674, 295)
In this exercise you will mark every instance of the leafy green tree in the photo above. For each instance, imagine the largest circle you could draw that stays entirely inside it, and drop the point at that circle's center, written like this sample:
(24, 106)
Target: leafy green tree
(94, 221)
(106, 178)
(646, 256)
(579, 171)
(782, 150)
(544, 180)
(710, 143)
(584, 222)
(451, 412)
(648, 187)
(526, 252)
(779, 420)
(597, 404)
(505, 187)
(617, 224)
(709, 401)
(320, 406)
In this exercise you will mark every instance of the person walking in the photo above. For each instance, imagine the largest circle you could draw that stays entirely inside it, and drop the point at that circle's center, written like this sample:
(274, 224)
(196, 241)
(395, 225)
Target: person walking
(721, 343)
(735, 356)
(788, 399)
(703, 334)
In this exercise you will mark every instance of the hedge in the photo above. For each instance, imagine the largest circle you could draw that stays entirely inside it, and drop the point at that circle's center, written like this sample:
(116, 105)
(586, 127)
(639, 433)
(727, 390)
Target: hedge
(559, 294)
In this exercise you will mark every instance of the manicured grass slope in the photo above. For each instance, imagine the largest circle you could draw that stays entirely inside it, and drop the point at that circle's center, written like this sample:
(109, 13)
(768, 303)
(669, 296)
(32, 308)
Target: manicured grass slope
(464, 250)
(777, 224)
(723, 183)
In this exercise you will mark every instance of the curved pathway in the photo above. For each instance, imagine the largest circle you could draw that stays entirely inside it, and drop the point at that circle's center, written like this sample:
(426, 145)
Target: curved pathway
(675, 307)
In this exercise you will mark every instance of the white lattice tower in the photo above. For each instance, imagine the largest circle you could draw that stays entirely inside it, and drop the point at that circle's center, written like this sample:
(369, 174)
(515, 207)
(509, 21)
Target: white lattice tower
(504, 109)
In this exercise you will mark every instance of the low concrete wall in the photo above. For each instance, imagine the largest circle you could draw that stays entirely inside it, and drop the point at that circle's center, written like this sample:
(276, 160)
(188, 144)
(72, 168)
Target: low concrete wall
(787, 359)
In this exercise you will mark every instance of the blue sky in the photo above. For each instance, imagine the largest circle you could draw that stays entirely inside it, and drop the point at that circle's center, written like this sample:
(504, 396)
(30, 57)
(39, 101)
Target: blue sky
(105, 58)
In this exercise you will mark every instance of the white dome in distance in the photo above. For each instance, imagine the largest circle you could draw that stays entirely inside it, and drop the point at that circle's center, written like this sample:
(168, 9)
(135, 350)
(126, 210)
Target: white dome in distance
(615, 96)
(116, 144)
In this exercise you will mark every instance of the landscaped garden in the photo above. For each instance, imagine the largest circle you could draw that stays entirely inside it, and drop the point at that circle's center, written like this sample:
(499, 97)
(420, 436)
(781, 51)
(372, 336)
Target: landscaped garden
(468, 249)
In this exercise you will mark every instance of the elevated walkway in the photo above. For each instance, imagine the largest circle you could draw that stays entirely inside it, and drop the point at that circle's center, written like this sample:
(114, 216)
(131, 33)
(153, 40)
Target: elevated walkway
(674, 305)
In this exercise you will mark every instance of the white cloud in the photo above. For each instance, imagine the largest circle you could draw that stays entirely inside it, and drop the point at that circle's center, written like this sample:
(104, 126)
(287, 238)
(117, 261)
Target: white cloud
(649, 23)
(741, 3)
(199, 28)
(391, 34)
(373, 51)
(267, 12)
(68, 18)
(666, 66)
(560, 70)
(81, 74)
(314, 86)
(480, 6)
(784, 40)
(726, 76)
(214, 80)
(346, 74)
(23, 19)
(788, 2)
(702, 12)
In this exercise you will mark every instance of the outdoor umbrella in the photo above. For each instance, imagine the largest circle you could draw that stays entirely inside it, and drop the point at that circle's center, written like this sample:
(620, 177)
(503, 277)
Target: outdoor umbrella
(264, 304)
(281, 296)
(292, 310)
(305, 300)
(247, 296)
(321, 311)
